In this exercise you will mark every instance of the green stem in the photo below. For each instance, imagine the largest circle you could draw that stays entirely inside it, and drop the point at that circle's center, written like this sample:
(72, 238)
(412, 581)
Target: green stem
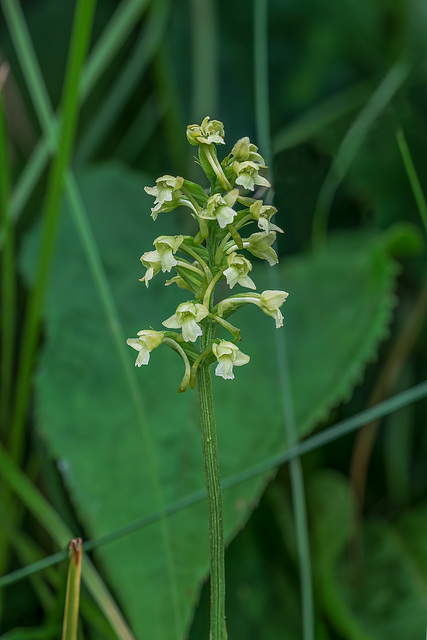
(209, 290)
(198, 259)
(214, 494)
(213, 161)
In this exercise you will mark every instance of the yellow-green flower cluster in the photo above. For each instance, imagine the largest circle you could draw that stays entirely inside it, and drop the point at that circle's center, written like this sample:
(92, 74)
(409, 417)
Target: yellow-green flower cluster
(216, 252)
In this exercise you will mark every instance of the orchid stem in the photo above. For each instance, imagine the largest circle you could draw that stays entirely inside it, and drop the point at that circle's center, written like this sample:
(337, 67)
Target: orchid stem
(218, 629)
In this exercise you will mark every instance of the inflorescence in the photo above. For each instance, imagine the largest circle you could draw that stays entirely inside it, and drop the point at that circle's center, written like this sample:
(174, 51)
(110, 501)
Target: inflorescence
(213, 254)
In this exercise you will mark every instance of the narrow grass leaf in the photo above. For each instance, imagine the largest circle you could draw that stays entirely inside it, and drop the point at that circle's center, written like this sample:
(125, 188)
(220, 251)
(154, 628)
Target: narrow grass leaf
(46, 515)
(353, 140)
(28, 61)
(72, 596)
(412, 176)
(143, 51)
(119, 27)
(340, 430)
(79, 43)
(262, 110)
(205, 72)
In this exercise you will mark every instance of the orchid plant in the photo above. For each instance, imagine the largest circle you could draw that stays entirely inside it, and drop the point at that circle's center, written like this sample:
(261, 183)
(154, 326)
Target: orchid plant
(200, 262)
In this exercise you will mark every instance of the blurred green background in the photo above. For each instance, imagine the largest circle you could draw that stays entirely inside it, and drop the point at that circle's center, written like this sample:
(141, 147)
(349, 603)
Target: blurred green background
(329, 546)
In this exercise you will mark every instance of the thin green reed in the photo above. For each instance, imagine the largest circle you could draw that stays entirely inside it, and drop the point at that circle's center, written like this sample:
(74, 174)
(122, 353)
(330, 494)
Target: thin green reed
(262, 109)
(37, 504)
(69, 105)
(412, 177)
(30, 496)
(129, 76)
(116, 32)
(205, 58)
(8, 279)
(38, 93)
(352, 142)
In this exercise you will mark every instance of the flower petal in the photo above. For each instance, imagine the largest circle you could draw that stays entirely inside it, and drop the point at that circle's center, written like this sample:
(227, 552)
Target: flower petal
(190, 329)
(224, 369)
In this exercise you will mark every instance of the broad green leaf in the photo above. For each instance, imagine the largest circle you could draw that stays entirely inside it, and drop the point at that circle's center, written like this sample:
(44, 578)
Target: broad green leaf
(339, 305)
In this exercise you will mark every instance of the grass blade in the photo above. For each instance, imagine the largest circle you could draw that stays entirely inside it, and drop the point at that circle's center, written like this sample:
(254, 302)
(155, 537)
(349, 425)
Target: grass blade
(36, 504)
(412, 176)
(72, 597)
(296, 473)
(205, 59)
(143, 52)
(119, 27)
(79, 44)
(18, 482)
(352, 142)
(89, 245)
(8, 282)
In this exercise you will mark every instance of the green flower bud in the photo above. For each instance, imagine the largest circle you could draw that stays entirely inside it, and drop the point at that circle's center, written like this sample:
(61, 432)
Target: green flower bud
(210, 131)
(145, 343)
(262, 214)
(244, 150)
(220, 208)
(237, 272)
(186, 317)
(248, 175)
(259, 244)
(228, 355)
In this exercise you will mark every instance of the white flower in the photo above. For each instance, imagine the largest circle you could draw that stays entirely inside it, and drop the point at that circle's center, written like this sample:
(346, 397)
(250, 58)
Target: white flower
(270, 302)
(248, 175)
(145, 343)
(186, 317)
(228, 355)
(237, 272)
(166, 246)
(259, 244)
(161, 259)
(220, 208)
(262, 214)
(151, 261)
(167, 193)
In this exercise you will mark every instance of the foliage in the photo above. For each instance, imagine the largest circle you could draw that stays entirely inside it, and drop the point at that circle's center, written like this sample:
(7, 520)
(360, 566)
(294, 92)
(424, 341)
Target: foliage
(97, 438)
